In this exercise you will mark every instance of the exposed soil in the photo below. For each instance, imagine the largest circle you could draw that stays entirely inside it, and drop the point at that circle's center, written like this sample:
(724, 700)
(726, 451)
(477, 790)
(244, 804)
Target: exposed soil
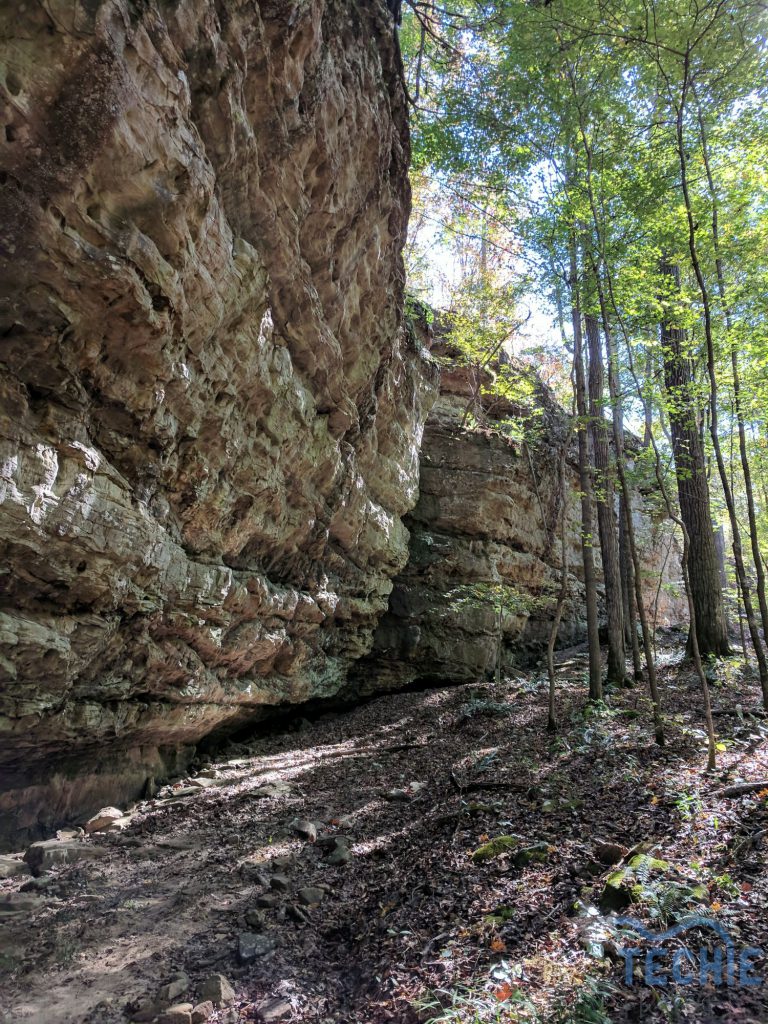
(415, 783)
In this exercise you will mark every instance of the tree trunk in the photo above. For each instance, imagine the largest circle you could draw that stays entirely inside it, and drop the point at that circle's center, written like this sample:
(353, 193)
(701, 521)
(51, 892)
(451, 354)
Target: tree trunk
(736, 376)
(561, 597)
(628, 591)
(692, 487)
(585, 485)
(604, 500)
(738, 556)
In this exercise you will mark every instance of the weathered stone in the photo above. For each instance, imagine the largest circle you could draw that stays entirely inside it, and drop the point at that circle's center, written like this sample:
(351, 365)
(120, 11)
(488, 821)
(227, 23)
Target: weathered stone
(181, 1013)
(38, 884)
(281, 863)
(274, 1009)
(305, 829)
(488, 511)
(311, 895)
(271, 791)
(104, 819)
(339, 855)
(255, 919)
(279, 883)
(609, 853)
(176, 986)
(12, 866)
(251, 946)
(143, 1009)
(497, 847)
(218, 990)
(401, 795)
(19, 903)
(267, 901)
(49, 853)
(202, 1012)
(212, 414)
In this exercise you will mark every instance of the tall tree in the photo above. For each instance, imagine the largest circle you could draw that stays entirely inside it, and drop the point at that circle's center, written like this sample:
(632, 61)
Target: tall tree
(691, 470)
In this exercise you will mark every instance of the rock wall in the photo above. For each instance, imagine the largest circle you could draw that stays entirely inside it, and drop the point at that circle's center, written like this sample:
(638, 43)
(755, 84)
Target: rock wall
(488, 512)
(210, 414)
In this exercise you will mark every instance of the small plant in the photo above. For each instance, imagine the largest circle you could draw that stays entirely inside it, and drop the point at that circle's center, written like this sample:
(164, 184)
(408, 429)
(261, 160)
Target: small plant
(480, 707)
(689, 805)
(590, 1005)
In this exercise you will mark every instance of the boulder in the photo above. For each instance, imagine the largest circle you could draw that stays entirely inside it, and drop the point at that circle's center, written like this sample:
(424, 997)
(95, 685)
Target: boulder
(218, 990)
(51, 853)
(104, 819)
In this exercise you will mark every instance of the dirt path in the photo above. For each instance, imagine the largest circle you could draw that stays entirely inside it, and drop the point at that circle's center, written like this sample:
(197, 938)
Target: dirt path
(384, 915)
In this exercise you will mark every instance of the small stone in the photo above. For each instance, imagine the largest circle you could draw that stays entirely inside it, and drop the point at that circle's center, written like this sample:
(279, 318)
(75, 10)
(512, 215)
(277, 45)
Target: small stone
(38, 884)
(279, 883)
(333, 842)
(180, 793)
(104, 819)
(273, 1009)
(609, 853)
(341, 855)
(311, 895)
(19, 903)
(401, 795)
(10, 867)
(255, 919)
(251, 946)
(202, 1012)
(144, 1009)
(50, 852)
(70, 833)
(297, 914)
(217, 990)
(281, 863)
(270, 791)
(181, 1013)
(496, 848)
(201, 782)
(304, 829)
(258, 877)
(267, 901)
(176, 986)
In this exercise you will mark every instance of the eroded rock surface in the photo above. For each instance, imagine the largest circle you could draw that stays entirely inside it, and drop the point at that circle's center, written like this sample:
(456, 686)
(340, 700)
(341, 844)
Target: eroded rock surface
(210, 415)
(488, 513)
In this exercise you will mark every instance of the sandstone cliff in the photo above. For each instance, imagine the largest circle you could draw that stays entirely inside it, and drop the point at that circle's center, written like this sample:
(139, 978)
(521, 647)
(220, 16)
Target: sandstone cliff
(488, 513)
(210, 415)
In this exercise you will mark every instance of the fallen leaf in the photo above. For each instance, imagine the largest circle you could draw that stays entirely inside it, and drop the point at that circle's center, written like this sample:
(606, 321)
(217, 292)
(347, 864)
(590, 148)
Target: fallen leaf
(504, 992)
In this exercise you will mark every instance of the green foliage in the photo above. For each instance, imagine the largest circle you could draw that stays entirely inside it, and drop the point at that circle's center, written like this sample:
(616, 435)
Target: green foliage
(541, 123)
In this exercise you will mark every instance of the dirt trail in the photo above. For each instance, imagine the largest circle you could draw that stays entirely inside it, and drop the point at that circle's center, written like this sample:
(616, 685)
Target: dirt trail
(370, 908)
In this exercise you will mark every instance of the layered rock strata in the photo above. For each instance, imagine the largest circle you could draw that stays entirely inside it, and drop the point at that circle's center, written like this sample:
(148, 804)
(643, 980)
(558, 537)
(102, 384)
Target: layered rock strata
(486, 533)
(210, 414)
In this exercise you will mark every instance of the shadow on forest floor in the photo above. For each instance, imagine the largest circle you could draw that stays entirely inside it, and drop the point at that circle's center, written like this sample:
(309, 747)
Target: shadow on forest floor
(411, 928)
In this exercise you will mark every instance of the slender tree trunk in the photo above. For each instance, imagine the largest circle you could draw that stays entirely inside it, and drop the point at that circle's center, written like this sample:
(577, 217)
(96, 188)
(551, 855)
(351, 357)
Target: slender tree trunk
(621, 469)
(692, 488)
(561, 597)
(736, 376)
(585, 485)
(604, 501)
(693, 633)
(628, 586)
(738, 556)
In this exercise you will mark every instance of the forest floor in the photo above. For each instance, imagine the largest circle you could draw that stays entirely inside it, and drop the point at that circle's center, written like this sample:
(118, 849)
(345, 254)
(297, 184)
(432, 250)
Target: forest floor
(384, 915)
